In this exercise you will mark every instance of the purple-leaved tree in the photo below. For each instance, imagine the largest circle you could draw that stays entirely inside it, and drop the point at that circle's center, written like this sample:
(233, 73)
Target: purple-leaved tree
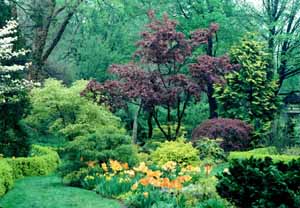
(161, 75)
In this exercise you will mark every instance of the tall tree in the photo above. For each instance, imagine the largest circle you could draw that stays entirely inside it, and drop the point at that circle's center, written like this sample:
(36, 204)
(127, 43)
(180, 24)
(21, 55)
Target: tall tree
(158, 80)
(281, 19)
(49, 19)
(249, 94)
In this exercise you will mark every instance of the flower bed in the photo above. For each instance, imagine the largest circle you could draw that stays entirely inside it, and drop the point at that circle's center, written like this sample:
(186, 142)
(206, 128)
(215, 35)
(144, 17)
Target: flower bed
(142, 186)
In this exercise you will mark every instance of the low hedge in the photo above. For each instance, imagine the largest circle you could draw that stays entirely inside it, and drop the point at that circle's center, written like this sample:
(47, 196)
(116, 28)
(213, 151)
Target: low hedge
(261, 153)
(6, 177)
(42, 161)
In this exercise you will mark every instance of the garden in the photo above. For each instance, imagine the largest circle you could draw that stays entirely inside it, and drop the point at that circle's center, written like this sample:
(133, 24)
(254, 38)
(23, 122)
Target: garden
(149, 104)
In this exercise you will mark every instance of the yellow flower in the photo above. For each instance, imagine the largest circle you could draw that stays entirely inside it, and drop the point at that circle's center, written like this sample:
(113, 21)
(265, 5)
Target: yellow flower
(169, 166)
(107, 177)
(131, 173)
(146, 194)
(104, 167)
(189, 168)
(134, 186)
(115, 165)
(141, 168)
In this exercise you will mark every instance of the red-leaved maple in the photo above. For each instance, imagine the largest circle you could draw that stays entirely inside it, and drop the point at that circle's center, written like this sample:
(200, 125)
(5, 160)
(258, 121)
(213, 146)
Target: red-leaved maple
(161, 76)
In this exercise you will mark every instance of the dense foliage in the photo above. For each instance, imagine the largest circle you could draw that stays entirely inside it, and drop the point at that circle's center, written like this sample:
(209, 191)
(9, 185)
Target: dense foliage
(178, 151)
(236, 134)
(261, 183)
(13, 94)
(61, 112)
(249, 93)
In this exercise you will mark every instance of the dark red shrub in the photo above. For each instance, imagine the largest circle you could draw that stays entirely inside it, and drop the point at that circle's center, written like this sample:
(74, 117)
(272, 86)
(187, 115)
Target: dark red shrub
(235, 133)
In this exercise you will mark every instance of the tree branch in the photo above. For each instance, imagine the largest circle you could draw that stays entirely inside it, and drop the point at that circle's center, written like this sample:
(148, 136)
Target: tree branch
(60, 32)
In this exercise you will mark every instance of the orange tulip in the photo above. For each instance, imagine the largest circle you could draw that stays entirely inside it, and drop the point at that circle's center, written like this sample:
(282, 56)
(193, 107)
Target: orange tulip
(155, 174)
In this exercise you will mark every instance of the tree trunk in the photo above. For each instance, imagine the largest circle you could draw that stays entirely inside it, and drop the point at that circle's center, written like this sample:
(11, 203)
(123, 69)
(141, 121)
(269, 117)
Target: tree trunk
(213, 106)
(135, 125)
(150, 125)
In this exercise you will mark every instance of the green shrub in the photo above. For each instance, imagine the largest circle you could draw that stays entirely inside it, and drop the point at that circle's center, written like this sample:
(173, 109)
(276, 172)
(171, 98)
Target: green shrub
(6, 177)
(43, 162)
(60, 112)
(261, 183)
(210, 150)
(262, 153)
(105, 144)
(178, 151)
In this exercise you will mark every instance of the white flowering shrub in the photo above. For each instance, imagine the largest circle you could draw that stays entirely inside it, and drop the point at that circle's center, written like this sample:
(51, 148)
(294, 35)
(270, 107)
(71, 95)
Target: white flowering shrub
(13, 93)
(10, 81)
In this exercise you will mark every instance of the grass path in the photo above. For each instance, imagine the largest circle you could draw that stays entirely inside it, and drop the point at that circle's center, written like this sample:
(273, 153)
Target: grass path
(49, 192)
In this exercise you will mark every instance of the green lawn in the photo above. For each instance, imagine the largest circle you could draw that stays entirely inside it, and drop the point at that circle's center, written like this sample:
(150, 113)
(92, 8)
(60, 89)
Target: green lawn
(49, 192)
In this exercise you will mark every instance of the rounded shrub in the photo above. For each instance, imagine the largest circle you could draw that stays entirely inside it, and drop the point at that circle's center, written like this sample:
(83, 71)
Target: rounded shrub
(178, 151)
(101, 146)
(235, 133)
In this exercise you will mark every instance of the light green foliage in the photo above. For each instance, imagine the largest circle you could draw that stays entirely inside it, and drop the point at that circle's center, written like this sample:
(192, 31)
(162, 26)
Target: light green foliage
(61, 111)
(6, 177)
(249, 93)
(210, 151)
(42, 162)
(261, 153)
(178, 151)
